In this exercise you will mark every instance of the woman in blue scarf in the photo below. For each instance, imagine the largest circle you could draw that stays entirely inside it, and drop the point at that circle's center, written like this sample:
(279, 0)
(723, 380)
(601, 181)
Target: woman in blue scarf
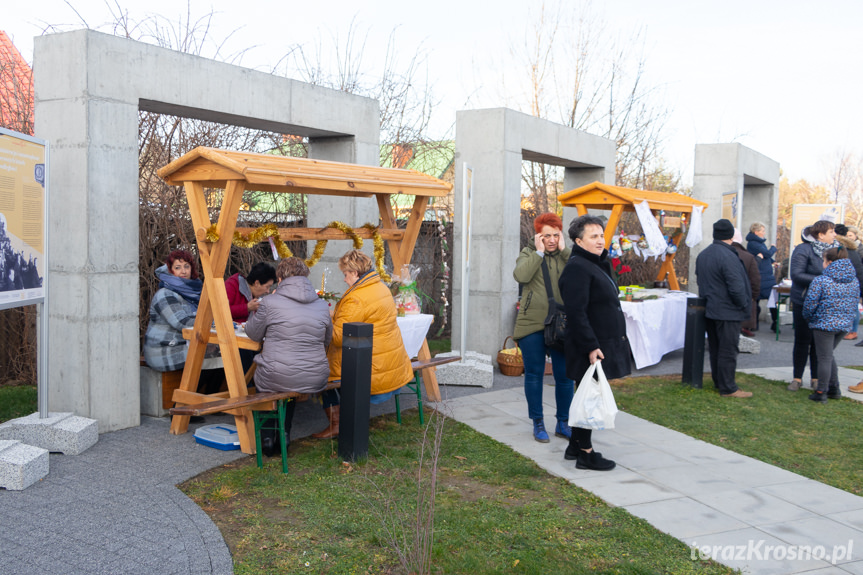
(172, 309)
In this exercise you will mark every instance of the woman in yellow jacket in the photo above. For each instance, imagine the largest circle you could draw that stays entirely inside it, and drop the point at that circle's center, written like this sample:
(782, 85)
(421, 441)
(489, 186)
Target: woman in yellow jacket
(366, 300)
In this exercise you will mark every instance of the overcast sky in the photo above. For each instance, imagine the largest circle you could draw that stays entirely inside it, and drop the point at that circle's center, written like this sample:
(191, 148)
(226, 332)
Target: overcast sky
(780, 77)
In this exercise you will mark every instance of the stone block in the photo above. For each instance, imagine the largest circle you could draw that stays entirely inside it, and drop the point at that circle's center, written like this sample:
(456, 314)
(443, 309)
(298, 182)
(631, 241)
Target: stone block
(749, 345)
(151, 393)
(475, 369)
(21, 465)
(59, 432)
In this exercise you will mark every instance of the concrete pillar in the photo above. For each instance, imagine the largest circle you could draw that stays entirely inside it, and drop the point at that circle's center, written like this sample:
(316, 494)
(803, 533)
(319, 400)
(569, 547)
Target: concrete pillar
(494, 143)
(733, 168)
(354, 212)
(89, 88)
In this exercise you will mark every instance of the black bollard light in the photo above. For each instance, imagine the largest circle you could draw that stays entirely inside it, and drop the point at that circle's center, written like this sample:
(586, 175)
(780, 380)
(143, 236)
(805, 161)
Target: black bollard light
(356, 390)
(693, 346)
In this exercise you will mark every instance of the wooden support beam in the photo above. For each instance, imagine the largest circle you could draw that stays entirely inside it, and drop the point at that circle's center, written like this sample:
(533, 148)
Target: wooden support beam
(611, 225)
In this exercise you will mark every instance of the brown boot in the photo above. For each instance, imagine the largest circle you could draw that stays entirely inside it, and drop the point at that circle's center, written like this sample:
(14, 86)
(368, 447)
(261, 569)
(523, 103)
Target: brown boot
(333, 429)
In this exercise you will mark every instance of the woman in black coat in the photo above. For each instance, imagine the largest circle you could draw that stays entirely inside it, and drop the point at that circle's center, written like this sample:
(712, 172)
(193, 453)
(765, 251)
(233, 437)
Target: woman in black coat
(806, 265)
(596, 329)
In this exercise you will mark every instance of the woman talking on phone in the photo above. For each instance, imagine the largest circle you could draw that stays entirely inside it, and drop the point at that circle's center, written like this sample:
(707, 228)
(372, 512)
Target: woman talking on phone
(547, 251)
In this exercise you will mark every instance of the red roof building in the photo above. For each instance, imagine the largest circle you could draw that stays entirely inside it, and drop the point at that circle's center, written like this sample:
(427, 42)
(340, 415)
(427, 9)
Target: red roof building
(16, 88)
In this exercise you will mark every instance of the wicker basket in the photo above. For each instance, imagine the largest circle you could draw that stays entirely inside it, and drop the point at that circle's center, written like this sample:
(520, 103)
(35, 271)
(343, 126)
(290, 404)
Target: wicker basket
(510, 363)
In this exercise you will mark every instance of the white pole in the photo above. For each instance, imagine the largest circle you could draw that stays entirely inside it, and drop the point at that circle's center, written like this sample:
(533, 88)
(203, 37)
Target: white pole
(466, 184)
(42, 308)
(42, 359)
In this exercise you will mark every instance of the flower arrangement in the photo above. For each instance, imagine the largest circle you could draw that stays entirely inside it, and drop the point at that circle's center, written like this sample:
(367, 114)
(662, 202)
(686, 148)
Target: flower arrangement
(328, 296)
(618, 267)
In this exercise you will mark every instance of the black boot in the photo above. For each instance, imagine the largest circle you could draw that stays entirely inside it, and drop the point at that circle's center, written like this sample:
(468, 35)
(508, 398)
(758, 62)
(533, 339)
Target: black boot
(594, 461)
(289, 418)
(774, 315)
(571, 452)
(269, 443)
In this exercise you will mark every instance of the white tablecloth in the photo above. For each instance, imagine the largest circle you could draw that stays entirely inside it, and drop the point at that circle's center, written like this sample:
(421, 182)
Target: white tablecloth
(414, 329)
(655, 327)
(774, 296)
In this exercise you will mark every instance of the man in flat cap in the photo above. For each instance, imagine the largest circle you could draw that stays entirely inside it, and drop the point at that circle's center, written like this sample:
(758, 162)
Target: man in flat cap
(723, 282)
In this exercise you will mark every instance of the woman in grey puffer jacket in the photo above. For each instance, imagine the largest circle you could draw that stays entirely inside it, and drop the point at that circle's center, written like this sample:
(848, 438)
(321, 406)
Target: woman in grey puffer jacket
(298, 328)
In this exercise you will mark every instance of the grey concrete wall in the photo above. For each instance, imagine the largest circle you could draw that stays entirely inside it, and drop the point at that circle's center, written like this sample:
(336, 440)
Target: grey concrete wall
(722, 168)
(494, 142)
(89, 88)
(325, 209)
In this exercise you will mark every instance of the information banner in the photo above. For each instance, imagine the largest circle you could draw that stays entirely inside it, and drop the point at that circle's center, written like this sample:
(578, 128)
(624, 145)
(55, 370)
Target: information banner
(730, 201)
(803, 215)
(23, 202)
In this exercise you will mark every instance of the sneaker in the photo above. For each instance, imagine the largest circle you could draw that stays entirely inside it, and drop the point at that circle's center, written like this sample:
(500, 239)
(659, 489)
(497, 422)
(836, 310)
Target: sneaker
(539, 432)
(859, 344)
(795, 385)
(818, 396)
(856, 388)
(833, 392)
(594, 461)
(562, 429)
(739, 393)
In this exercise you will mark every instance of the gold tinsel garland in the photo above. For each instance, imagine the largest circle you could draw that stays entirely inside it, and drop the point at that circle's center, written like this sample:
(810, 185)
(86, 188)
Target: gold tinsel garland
(258, 235)
(378, 252)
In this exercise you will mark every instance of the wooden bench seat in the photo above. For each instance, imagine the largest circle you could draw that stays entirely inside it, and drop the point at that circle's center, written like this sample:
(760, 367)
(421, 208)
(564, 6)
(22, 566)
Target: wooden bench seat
(256, 401)
(418, 366)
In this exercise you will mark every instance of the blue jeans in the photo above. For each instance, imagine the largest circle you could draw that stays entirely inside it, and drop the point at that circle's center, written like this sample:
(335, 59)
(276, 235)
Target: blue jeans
(533, 352)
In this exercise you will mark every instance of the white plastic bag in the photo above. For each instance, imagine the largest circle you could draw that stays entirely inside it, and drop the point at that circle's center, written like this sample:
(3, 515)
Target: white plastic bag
(593, 406)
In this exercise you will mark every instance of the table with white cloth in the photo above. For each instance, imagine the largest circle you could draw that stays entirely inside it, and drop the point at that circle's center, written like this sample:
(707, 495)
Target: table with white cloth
(655, 327)
(414, 329)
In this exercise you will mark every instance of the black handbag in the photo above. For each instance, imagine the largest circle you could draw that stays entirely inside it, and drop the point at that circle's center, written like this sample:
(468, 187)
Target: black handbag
(555, 322)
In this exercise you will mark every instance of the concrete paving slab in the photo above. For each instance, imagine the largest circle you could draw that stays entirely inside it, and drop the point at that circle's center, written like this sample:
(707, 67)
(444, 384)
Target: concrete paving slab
(853, 518)
(838, 540)
(855, 568)
(685, 518)
(621, 487)
(690, 479)
(754, 506)
(640, 458)
(755, 552)
(816, 497)
(752, 473)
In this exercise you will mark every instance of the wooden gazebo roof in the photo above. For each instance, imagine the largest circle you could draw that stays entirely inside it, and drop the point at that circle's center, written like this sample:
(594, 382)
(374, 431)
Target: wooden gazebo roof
(601, 196)
(213, 168)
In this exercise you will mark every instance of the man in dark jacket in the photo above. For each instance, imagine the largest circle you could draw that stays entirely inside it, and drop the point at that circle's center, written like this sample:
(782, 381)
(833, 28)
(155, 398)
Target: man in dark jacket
(723, 282)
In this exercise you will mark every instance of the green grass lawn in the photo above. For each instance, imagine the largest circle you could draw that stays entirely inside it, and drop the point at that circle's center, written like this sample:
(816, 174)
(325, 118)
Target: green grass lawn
(496, 512)
(777, 426)
(17, 401)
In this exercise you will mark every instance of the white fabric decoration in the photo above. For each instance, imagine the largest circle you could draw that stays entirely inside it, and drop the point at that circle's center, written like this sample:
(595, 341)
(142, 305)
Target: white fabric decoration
(652, 234)
(693, 238)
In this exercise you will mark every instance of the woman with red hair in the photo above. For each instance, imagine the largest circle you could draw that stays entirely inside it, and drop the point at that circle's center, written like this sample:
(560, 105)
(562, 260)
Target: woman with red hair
(172, 309)
(547, 251)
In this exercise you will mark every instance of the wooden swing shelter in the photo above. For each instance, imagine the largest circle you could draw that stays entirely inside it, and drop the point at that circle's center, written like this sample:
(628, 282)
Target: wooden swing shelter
(237, 172)
(599, 196)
